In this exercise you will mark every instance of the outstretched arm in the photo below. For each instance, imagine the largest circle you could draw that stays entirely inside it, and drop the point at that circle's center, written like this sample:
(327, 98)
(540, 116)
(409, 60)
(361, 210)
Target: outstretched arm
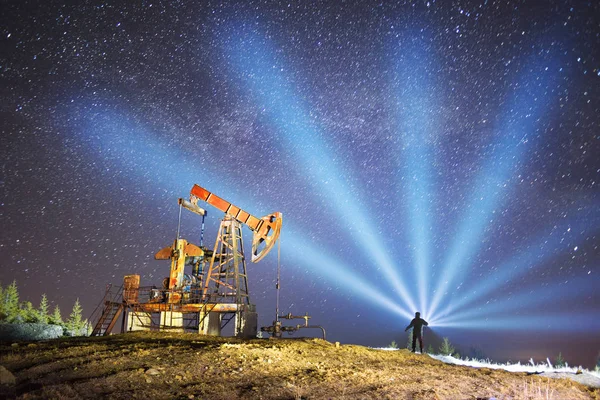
(425, 323)
(409, 326)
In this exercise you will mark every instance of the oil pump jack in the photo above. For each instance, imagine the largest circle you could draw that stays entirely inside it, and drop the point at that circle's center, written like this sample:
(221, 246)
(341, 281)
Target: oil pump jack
(212, 293)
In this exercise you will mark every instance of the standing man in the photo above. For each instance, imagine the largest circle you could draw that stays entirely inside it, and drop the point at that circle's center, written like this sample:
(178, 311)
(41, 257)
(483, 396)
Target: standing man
(417, 324)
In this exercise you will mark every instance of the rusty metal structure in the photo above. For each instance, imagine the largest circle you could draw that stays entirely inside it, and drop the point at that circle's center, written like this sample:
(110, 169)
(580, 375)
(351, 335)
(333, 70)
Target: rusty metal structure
(205, 289)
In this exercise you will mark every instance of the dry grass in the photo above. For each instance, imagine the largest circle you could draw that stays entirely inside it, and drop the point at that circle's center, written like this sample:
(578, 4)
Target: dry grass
(152, 365)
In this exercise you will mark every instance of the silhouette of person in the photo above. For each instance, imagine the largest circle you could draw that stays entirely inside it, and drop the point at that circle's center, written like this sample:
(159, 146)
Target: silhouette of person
(417, 324)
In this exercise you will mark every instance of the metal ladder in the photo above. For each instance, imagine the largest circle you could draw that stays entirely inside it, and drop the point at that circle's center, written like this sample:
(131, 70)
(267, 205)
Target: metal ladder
(112, 307)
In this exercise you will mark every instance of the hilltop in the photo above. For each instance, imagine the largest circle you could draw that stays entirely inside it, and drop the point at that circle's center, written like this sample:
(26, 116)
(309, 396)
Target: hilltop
(158, 365)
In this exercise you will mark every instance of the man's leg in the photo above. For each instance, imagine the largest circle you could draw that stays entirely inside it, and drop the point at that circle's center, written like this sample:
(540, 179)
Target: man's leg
(414, 342)
(421, 344)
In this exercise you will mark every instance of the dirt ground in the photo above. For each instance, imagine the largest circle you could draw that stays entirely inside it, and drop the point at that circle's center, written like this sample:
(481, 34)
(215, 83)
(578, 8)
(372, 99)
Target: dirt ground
(153, 365)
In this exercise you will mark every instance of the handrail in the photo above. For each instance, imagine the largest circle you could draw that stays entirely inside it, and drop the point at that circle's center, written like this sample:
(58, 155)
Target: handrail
(99, 310)
(110, 296)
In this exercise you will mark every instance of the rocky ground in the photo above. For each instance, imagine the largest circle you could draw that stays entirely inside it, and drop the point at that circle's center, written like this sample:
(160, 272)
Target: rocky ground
(153, 365)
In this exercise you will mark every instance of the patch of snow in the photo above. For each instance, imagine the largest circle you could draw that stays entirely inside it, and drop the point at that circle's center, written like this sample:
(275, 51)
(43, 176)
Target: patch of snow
(578, 374)
(385, 348)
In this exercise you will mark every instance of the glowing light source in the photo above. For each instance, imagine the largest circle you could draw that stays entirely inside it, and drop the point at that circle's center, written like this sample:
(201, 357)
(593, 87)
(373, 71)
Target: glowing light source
(138, 153)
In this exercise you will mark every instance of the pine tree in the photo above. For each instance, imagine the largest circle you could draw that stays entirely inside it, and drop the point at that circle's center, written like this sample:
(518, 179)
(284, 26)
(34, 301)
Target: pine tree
(393, 345)
(87, 328)
(10, 311)
(446, 348)
(28, 313)
(75, 323)
(560, 361)
(430, 349)
(43, 310)
(55, 318)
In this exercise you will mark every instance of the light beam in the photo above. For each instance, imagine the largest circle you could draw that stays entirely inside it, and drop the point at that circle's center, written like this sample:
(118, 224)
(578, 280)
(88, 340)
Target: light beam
(416, 107)
(515, 133)
(340, 274)
(531, 297)
(557, 322)
(537, 253)
(264, 78)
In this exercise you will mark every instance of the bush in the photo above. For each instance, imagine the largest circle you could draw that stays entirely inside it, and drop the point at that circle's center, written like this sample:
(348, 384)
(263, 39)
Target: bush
(559, 362)
(393, 345)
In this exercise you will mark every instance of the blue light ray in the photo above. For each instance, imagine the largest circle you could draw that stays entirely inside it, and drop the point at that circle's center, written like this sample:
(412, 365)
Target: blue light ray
(114, 138)
(340, 274)
(538, 252)
(131, 150)
(530, 298)
(557, 322)
(416, 107)
(262, 74)
(515, 132)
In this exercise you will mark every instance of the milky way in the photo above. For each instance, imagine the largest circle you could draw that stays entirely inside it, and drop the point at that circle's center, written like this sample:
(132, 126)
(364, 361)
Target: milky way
(427, 156)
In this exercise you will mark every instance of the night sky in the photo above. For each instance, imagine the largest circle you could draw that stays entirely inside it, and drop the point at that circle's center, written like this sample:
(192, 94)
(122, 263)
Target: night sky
(431, 156)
